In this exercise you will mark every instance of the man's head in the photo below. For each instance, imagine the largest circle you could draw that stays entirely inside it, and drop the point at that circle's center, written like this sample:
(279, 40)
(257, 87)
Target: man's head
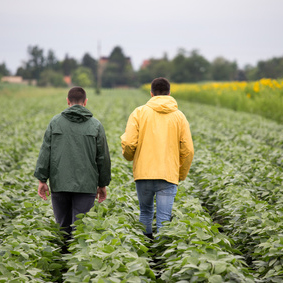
(77, 95)
(160, 86)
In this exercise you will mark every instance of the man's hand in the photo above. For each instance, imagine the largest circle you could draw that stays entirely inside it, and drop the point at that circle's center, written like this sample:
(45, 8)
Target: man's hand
(101, 194)
(43, 190)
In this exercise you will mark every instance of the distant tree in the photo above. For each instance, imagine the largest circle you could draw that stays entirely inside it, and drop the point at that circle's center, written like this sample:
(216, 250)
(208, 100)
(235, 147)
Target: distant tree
(161, 68)
(272, 68)
(223, 70)
(23, 72)
(251, 72)
(51, 61)
(90, 63)
(144, 75)
(155, 68)
(69, 65)
(83, 77)
(118, 70)
(111, 77)
(118, 58)
(192, 68)
(241, 76)
(50, 77)
(35, 64)
(32, 68)
(198, 67)
(3, 70)
(179, 72)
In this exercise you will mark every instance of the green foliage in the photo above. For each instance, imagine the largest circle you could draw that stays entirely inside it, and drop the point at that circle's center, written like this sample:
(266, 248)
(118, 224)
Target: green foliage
(109, 245)
(191, 247)
(193, 68)
(3, 70)
(223, 70)
(118, 70)
(69, 65)
(272, 68)
(51, 78)
(83, 77)
(155, 68)
(237, 173)
(30, 240)
(35, 64)
(51, 60)
(90, 63)
(184, 67)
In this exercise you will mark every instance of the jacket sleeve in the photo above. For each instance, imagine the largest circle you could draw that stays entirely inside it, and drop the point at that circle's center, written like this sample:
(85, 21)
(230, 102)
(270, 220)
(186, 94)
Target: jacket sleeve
(103, 159)
(186, 150)
(129, 140)
(42, 168)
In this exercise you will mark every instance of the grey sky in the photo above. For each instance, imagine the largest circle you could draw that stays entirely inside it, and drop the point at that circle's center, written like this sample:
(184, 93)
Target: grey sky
(242, 30)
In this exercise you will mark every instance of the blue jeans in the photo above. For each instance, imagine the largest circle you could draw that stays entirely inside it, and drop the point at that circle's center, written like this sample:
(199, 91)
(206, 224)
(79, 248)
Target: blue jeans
(165, 194)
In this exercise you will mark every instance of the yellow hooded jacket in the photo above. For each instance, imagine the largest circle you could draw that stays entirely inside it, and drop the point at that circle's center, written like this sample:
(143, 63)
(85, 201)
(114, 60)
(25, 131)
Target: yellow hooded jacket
(158, 140)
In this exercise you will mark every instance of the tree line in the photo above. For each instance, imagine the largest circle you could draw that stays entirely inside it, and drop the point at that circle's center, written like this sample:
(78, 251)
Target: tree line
(116, 69)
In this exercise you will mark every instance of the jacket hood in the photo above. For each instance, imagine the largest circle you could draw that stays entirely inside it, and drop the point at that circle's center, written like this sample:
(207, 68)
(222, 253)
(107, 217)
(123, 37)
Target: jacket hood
(77, 113)
(163, 104)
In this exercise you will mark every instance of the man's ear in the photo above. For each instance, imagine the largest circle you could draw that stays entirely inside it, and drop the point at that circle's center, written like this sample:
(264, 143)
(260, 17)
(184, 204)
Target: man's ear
(85, 102)
(68, 101)
(151, 94)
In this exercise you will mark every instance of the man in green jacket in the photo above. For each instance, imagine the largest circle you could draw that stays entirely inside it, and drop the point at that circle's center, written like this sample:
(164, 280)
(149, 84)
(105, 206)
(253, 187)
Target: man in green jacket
(74, 156)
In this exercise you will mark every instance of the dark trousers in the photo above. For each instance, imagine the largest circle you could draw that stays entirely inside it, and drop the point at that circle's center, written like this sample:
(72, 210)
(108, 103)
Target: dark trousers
(67, 206)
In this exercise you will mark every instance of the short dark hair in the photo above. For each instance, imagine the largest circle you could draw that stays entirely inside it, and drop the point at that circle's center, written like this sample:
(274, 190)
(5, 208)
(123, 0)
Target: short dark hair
(77, 95)
(160, 86)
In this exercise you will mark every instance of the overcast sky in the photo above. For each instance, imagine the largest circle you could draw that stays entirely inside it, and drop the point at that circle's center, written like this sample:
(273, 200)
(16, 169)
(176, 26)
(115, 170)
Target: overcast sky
(244, 30)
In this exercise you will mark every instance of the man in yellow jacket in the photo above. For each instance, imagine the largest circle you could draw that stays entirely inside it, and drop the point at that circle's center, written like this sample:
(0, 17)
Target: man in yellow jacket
(159, 141)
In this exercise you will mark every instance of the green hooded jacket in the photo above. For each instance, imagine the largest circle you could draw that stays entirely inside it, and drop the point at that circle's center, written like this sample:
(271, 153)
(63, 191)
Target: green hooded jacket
(74, 155)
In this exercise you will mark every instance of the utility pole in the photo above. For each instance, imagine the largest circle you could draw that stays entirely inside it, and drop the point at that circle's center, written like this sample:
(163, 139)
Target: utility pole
(98, 71)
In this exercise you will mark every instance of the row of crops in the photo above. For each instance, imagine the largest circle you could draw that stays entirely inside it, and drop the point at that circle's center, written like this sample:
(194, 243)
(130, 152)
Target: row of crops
(227, 218)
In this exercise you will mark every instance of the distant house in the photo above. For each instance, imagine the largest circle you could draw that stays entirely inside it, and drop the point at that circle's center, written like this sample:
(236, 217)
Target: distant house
(103, 61)
(17, 80)
(68, 80)
(145, 63)
(12, 79)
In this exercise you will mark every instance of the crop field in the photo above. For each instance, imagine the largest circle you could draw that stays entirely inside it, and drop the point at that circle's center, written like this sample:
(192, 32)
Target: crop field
(227, 223)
